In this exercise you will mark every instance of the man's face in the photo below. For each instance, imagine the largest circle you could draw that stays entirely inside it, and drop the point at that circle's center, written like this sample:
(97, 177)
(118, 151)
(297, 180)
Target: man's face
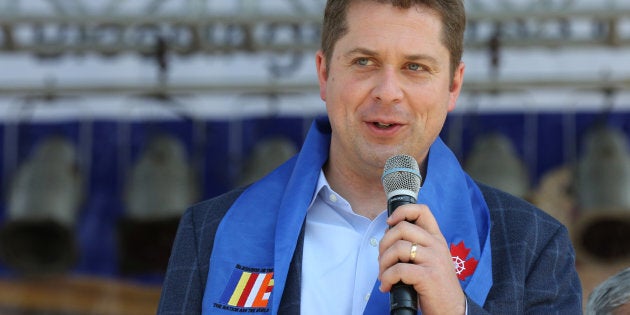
(388, 88)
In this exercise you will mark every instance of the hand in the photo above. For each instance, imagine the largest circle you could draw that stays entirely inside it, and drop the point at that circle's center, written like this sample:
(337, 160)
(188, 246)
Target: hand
(431, 272)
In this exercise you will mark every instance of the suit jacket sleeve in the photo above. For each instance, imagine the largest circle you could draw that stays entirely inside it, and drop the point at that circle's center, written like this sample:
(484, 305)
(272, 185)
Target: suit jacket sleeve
(533, 261)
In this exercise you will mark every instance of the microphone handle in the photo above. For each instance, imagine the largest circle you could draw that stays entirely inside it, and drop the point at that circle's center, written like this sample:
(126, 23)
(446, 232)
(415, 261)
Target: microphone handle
(403, 298)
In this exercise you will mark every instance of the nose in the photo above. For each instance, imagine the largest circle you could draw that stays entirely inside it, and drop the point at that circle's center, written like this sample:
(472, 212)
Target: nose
(387, 89)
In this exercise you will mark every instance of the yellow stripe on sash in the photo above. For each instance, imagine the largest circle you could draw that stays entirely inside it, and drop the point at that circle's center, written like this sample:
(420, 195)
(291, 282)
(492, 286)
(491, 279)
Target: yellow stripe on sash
(239, 289)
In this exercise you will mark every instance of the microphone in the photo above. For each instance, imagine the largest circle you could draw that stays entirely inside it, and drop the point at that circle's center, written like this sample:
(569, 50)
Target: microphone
(401, 180)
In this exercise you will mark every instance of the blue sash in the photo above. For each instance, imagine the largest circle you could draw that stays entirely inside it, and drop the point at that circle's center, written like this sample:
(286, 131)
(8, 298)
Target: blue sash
(256, 241)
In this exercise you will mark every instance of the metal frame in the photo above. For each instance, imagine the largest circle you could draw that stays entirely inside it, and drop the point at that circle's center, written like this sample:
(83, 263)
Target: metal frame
(295, 87)
(70, 27)
(54, 35)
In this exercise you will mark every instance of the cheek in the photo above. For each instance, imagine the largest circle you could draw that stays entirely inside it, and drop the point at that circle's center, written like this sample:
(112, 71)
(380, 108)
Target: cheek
(340, 97)
(431, 113)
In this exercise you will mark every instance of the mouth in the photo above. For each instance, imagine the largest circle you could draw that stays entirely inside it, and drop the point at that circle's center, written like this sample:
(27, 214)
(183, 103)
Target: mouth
(381, 125)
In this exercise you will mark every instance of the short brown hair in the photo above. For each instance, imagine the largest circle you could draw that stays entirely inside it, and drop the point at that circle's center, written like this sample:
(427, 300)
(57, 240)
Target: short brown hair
(451, 12)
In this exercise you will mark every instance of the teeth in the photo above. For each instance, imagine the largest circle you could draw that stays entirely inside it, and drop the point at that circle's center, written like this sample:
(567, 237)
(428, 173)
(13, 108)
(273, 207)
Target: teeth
(382, 125)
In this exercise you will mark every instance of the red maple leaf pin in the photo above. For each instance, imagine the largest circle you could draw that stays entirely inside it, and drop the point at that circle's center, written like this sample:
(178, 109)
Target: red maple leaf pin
(463, 267)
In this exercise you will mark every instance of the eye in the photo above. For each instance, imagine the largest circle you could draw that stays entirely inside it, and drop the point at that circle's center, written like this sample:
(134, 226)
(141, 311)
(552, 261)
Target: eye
(414, 67)
(362, 61)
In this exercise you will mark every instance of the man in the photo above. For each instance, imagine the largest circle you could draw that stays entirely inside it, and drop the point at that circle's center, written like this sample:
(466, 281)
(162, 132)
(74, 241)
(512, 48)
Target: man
(611, 296)
(312, 236)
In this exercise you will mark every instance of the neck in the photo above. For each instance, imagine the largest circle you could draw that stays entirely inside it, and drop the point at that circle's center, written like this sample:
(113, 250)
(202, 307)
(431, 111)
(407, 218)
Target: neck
(364, 192)
(361, 186)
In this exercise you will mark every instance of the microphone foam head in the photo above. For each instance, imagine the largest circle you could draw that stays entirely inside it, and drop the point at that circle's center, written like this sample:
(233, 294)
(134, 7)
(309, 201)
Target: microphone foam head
(401, 176)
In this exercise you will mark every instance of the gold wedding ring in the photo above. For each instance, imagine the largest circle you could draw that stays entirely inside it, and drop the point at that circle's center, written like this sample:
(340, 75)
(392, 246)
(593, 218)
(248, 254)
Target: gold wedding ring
(412, 253)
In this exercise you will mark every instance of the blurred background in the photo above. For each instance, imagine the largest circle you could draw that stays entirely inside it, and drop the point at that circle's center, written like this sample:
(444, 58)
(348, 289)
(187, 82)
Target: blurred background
(116, 115)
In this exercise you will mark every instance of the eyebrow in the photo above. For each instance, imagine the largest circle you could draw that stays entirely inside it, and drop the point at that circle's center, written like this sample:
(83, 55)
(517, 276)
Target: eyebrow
(413, 57)
(360, 51)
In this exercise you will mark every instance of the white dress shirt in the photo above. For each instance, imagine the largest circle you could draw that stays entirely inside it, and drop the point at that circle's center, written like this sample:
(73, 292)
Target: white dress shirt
(340, 259)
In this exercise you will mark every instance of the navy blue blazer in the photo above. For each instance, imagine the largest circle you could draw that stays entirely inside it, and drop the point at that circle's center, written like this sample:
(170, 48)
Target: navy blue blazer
(533, 261)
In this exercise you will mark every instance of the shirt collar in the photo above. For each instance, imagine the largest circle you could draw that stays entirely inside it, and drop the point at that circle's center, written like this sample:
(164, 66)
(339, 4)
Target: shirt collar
(323, 191)
(322, 187)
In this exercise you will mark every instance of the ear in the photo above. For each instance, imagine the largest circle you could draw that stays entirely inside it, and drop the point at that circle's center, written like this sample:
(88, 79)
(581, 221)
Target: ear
(456, 85)
(322, 74)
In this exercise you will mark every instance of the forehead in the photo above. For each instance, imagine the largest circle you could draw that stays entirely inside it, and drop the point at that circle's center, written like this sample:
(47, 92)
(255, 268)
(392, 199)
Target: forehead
(370, 22)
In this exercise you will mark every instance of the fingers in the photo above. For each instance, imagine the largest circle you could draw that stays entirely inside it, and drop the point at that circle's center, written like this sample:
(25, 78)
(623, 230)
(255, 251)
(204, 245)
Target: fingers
(429, 252)
(413, 223)
(399, 256)
(393, 274)
(418, 214)
(410, 224)
(431, 271)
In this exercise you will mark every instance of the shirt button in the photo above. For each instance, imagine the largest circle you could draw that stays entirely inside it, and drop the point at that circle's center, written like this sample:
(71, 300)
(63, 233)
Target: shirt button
(367, 297)
(373, 242)
(332, 197)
